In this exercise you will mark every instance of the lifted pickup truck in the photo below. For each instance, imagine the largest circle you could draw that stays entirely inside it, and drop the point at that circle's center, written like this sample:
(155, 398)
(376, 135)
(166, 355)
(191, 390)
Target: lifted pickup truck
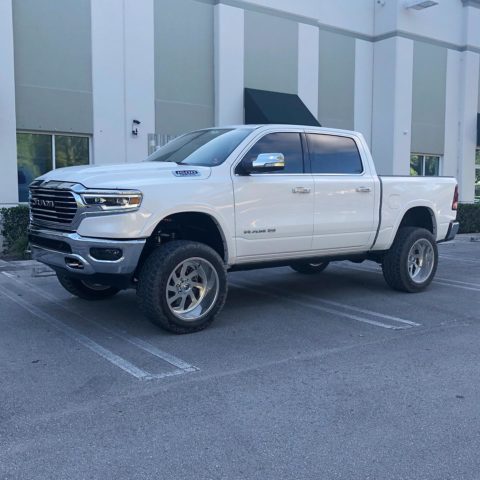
(233, 198)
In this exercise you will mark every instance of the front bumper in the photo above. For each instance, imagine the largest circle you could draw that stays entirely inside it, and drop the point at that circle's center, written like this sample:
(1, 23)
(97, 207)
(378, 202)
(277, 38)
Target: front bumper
(452, 231)
(72, 252)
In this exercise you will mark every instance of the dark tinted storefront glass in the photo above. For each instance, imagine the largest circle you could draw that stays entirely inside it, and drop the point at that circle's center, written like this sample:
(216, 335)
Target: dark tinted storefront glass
(34, 154)
(71, 151)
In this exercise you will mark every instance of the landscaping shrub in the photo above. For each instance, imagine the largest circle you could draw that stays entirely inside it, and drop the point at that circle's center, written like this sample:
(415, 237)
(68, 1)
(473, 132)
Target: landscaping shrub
(14, 224)
(469, 217)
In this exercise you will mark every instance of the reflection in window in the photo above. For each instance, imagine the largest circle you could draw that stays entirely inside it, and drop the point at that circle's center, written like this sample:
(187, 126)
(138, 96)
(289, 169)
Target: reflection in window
(287, 143)
(424, 165)
(34, 157)
(71, 151)
(334, 154)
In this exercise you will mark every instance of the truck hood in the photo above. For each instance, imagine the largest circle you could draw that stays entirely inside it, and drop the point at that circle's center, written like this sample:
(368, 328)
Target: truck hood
(127, 175)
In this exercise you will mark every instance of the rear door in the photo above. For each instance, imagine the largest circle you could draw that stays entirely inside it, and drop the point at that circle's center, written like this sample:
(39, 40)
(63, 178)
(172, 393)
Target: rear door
(344, 194)
(274, 210)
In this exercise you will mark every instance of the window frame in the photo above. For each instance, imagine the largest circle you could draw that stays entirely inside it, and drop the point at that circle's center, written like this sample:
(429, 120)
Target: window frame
(310, 155)
(61, 134)
(52, 136)
(423, 156)
(303, 145)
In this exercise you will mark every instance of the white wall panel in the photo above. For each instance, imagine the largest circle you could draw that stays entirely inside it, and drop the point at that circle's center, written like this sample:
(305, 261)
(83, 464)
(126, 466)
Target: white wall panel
(392, 105)
(229, 59)
(363, 89)
(8, 145)
(308, 56)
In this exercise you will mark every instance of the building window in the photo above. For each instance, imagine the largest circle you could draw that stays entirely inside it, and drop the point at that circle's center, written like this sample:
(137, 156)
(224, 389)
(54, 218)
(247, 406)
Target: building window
(38, 153)
(477, 176)
(424, 165)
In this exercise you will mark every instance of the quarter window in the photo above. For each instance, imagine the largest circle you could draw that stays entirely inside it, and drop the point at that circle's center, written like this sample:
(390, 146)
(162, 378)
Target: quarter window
(424, 165)
(289, 144)
(333, 154)
(38, 153)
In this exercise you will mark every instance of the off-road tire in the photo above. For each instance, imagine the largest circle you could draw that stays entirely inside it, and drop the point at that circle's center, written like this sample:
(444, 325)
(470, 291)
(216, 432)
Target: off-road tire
(153, 281)
(82, 289)
(395, 261)
(309, 268)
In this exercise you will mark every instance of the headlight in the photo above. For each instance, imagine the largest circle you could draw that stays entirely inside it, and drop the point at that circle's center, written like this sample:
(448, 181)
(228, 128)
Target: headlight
(113, 200)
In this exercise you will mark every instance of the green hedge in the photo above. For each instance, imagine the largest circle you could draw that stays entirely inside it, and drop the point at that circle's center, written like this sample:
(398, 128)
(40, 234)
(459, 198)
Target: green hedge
(469, 217)
(14, 223)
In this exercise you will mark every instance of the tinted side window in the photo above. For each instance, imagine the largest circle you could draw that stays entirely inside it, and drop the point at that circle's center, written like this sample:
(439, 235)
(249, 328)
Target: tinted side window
(332, 154)
(289, 144)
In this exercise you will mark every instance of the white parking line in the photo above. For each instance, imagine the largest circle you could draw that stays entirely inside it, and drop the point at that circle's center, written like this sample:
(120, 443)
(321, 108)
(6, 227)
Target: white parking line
(181, 366)
(316, 306)
(437, 280)
(466, 260)
(78, 337)
(138, 342)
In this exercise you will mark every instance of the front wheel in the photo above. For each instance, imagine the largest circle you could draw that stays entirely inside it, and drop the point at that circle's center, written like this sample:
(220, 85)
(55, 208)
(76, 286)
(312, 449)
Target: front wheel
(182, 286)
(309, 268)
(411, 262)
(85, 289)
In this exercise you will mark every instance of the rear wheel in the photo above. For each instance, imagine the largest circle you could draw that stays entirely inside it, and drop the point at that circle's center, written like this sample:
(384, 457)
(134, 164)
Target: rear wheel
(411, 262)
(85, 289)
(182, 286)
(309, 268)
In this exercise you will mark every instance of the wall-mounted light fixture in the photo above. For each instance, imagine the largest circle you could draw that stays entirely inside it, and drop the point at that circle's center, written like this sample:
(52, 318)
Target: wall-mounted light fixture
(420, 4)
(135, 124)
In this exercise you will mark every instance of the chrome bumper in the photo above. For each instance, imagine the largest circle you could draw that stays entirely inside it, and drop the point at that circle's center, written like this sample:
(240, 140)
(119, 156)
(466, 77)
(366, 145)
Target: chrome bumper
(72, 252)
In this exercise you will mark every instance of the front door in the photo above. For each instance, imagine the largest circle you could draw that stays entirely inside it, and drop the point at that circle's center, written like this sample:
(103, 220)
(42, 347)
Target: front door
(274, 210)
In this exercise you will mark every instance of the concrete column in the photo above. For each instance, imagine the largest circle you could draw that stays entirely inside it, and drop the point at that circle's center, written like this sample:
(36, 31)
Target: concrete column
(363, 89)
(122, 79)
(229, 64)
(8, 141)
(139, 76)
(308, 58)
(469, 72)
(392, 105)
(451, 158)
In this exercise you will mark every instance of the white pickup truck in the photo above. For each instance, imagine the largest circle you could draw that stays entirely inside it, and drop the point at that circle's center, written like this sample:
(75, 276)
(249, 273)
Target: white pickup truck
(224, 199)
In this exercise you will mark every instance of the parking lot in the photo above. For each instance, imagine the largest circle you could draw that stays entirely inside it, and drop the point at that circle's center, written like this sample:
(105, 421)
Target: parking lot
(322, 377)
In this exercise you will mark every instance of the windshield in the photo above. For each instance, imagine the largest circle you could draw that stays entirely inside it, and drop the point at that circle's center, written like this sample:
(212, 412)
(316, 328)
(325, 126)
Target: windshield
(206, 148)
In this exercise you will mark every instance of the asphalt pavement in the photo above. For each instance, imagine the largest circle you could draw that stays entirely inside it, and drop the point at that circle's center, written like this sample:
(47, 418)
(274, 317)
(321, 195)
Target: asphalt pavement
(332, 376)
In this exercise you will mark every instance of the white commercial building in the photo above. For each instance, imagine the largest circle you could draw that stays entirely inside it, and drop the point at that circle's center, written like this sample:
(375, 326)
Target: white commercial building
(77, 76)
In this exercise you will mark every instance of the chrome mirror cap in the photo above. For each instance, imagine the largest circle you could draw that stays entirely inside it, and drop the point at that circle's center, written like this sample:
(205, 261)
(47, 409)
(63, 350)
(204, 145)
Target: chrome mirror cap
(269, 162)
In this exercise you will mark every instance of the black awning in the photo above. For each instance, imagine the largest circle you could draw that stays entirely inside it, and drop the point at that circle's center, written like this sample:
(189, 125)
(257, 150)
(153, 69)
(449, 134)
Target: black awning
(263, 106)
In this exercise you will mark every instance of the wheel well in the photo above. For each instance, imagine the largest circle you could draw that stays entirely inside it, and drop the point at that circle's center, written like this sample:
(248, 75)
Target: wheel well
(195, 226)
(421, 217)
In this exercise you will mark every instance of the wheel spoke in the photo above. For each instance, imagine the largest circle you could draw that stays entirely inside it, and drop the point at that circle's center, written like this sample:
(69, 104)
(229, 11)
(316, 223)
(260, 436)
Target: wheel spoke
(192, 288)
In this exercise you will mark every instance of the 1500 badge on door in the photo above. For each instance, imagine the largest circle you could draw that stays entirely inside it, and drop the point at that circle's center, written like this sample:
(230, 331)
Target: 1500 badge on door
(262, 230)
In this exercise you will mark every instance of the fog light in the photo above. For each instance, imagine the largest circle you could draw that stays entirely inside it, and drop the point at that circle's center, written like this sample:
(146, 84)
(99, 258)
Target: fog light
(106, 254)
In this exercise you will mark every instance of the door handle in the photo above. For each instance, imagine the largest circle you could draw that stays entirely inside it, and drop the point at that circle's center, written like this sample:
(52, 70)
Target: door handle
(301, 190)
(363, 189)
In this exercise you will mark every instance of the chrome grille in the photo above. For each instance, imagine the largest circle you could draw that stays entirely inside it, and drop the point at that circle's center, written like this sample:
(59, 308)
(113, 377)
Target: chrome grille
(48, 205)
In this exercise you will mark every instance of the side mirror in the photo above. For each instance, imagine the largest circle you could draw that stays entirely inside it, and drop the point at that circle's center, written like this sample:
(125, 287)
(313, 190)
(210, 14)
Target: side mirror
(265, 162)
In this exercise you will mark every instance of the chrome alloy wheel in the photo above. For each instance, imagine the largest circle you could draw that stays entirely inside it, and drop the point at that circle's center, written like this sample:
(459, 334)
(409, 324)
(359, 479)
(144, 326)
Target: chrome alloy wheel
(421, 259)
(192, 289)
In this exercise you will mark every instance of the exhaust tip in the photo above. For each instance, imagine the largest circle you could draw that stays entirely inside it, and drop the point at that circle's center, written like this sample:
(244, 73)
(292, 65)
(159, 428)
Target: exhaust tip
(74, 263)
